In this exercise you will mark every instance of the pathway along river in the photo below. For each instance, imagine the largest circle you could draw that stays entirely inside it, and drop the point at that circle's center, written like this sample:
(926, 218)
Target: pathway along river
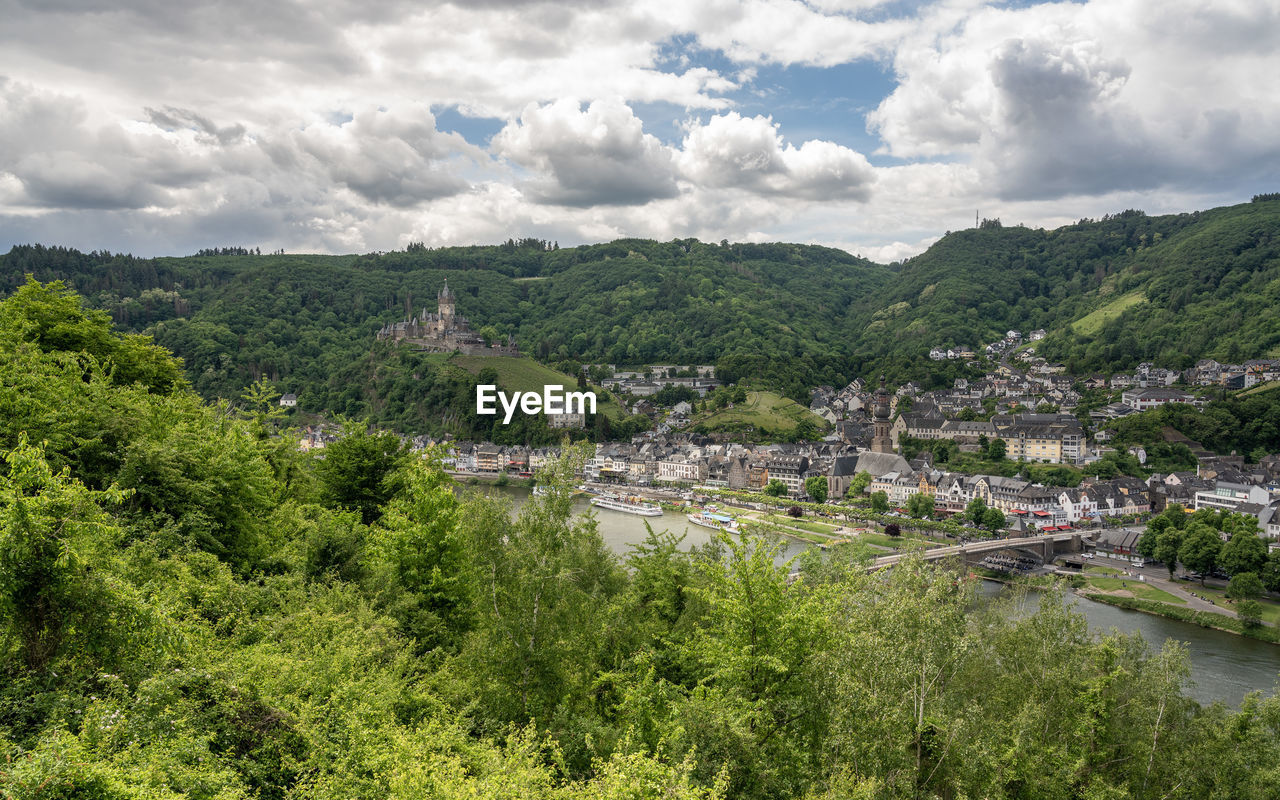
(1224, 667)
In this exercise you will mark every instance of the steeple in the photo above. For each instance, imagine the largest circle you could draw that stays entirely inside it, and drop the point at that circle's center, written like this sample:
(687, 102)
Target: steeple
(881, 439)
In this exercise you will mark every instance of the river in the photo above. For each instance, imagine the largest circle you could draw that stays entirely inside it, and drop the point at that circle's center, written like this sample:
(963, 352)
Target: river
(1224, 667)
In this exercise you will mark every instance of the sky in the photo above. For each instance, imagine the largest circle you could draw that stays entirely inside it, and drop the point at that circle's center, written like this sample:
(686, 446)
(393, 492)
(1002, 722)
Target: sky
(352, 126)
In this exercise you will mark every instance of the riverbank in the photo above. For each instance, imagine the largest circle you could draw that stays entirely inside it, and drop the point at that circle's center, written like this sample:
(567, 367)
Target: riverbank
(1205, 619)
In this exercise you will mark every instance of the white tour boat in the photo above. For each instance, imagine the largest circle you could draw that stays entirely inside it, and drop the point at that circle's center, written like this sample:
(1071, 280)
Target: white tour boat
(627, 505)
(710, 519)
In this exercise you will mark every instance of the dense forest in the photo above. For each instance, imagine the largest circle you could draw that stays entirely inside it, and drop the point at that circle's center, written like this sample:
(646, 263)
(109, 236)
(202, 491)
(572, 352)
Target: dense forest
(190, 607)
(1111, 292)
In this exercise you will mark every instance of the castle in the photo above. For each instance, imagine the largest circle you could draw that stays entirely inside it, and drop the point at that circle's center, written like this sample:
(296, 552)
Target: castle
(445, 331)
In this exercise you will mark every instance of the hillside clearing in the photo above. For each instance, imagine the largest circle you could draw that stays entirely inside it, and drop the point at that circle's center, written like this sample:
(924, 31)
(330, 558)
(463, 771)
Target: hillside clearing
(1092, 322)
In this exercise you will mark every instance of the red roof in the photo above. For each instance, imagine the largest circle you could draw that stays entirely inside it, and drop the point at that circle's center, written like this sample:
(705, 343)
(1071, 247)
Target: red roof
(1042, 513)
(1017, 511)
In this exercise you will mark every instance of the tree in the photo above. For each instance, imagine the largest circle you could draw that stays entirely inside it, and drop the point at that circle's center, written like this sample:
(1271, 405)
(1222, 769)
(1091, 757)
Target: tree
(52, 531)
(859, 484)
(1246, 552)
(996, 450)
(1250, 612)
(920, 505)
(1244, 586)
(426, 582)
(1200, 549)
(816, 487)
(775, 488)
(356, 471)
(1146, 546)
(976, 510)
(1168, 543)
(892, 529)
(1271, 572)
(879, 501)
(994, 519)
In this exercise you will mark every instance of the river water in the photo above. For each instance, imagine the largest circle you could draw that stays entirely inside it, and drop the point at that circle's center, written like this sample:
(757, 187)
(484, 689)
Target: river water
(1224, 667)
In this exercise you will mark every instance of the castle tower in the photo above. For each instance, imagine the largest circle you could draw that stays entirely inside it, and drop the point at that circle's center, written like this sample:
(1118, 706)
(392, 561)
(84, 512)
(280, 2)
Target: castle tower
(445, 298)
(881, 440)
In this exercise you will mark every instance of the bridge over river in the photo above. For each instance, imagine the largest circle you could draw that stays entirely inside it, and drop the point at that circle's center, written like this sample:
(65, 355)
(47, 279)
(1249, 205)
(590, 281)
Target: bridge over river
(1045, 546)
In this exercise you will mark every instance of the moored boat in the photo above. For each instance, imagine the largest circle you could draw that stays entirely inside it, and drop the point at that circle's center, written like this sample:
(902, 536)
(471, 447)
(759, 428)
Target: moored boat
(710, 519)
(627, 505)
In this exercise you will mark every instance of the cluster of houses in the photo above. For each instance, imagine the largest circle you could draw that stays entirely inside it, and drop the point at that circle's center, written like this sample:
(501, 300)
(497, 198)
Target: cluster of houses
(700, 378)
(1012, 340)
(698, 461)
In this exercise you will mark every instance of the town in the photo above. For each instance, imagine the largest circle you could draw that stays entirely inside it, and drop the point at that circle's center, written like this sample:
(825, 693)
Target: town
(1024, 413)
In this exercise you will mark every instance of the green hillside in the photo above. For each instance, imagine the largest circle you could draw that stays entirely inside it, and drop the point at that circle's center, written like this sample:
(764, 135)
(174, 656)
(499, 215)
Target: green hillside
(764, 416)
(1111, 292)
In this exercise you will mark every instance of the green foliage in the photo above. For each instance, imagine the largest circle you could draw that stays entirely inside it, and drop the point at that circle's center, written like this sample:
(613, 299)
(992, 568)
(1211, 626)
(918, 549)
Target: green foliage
(1240, 423)
(775, 488)
(1200, 548)
(880, 501)
(1168, 545)
(424, 579)
(1244, 586)
(993, 519)
(859, 484)
(1250, 612)
(816, 487)
(1243, 553)
(976, 511)
(920, 505)
(357, 472)
(215, 630)
(52, 529)
(54, 319)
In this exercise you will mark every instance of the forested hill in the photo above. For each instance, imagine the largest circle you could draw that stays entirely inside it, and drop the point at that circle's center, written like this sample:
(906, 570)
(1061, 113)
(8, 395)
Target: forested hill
(778, 313)
(1111, 292)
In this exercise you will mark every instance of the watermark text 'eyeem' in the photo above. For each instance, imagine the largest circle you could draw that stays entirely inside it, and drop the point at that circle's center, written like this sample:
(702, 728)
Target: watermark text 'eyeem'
(553, 400)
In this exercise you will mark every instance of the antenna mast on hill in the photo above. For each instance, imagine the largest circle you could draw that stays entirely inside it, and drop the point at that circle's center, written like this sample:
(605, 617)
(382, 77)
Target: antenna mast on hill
(975, 218)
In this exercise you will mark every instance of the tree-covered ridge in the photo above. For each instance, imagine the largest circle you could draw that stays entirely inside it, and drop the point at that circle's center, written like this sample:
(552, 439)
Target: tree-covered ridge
(190, 607)
(1210, 290)
(1111, 293)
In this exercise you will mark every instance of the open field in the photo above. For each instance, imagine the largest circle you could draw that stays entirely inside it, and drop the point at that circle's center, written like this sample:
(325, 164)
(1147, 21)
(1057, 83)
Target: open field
(1092, 323)
(1270, 608)
(802, 524)
(1134, 587)
(527, 375)
(762, 410)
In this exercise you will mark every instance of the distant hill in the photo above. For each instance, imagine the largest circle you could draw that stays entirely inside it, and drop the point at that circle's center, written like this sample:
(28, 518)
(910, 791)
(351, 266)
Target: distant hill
(1111, 292)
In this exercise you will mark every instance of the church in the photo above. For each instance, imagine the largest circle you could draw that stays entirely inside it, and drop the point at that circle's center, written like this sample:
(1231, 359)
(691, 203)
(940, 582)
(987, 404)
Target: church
(444, 331)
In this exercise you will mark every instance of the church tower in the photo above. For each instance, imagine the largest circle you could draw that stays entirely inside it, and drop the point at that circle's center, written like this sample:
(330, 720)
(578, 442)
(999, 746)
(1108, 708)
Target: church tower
(881, 439)
(445, 298)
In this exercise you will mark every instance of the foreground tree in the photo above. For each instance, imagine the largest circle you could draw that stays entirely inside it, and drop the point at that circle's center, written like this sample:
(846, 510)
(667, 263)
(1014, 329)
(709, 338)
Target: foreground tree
(52, 531)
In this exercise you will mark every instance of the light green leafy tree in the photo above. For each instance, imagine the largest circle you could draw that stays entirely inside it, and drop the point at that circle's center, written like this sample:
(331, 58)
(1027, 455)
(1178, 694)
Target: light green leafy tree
(426, 580)
(816, 487)
(53, 531)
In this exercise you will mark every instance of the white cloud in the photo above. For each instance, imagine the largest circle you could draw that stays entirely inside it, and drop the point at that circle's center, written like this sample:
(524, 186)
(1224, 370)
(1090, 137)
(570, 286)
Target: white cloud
(1062, 99)
(731, 151)
(311, 125)
(596, 156)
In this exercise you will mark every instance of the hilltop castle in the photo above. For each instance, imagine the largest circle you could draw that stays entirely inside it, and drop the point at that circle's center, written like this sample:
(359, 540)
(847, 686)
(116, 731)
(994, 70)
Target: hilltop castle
(445, 331)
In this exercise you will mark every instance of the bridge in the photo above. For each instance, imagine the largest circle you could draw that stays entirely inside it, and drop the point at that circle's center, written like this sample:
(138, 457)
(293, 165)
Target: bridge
(1044, 546)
